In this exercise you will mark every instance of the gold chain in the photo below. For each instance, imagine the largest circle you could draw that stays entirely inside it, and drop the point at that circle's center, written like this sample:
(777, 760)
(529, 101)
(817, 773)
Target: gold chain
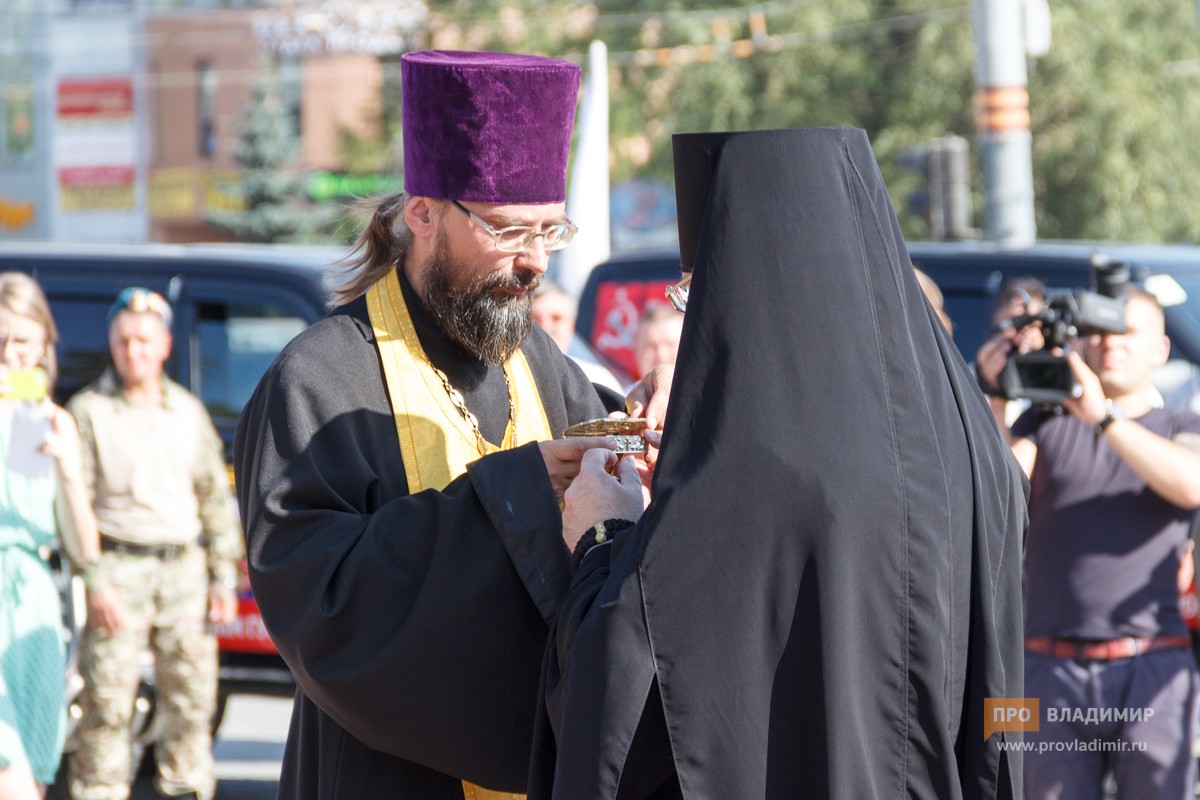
(481, 444)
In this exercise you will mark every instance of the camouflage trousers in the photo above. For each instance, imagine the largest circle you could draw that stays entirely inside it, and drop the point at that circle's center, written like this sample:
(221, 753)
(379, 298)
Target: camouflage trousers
(166, 609)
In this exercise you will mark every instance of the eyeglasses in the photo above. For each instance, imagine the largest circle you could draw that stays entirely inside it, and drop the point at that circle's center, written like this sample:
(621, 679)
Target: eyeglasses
(677, 293)
(516, 238)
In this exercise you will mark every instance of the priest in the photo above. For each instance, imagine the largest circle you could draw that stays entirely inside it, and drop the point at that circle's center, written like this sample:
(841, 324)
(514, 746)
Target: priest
(399, 469)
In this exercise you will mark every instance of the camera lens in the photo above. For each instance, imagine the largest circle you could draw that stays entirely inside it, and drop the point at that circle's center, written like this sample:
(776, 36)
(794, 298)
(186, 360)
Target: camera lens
(1111, 276)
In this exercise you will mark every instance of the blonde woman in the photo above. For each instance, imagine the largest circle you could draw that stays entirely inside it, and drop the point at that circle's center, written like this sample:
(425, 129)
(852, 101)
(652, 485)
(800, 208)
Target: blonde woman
(42, 493)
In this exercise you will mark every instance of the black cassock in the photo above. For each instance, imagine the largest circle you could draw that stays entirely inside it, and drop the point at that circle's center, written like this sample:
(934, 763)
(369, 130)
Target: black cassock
(414, 625)
(826, 585)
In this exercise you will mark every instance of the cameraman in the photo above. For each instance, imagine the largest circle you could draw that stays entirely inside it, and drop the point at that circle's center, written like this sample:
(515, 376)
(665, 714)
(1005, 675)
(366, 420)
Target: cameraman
(1114, 486)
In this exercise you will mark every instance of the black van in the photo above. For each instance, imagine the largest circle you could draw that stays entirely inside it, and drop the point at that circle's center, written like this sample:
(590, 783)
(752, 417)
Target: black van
(970, 275)
(235, 307)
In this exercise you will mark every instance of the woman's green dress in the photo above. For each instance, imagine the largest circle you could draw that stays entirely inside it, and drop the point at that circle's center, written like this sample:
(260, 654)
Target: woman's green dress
(32, 707)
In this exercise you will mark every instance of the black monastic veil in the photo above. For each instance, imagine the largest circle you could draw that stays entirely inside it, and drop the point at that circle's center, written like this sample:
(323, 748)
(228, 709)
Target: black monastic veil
(826, 585)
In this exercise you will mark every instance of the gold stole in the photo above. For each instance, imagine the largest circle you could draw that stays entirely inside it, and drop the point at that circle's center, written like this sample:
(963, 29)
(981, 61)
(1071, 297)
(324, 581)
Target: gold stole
(436, 443)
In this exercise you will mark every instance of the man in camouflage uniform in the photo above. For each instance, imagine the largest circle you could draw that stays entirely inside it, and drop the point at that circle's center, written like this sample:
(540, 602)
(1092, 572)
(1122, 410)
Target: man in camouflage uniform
(169, 549)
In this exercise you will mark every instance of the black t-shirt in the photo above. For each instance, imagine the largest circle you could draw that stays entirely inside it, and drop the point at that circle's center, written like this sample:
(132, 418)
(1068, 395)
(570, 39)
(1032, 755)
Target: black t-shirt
(1103, 549)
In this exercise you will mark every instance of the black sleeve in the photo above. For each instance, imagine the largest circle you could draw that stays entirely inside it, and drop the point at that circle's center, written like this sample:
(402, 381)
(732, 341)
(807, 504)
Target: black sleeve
(585, 585)
(649, 770)
(416, 622)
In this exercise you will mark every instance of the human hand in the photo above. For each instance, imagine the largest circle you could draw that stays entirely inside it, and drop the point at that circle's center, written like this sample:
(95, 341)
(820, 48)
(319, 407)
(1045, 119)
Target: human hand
(105, 609)
(1090, 403)
(649, 397)
(991, 358)
(62, 444)
(994, 353)
(562, 457)
(595, 495)
(1029, 338)
(222, 604)
(647, 463)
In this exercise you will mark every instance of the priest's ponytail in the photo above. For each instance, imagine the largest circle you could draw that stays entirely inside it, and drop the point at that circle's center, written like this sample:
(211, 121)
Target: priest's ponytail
(382, 245)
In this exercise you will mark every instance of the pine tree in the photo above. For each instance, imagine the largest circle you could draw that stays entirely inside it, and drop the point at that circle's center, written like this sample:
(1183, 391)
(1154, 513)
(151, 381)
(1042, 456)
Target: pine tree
(276, 209)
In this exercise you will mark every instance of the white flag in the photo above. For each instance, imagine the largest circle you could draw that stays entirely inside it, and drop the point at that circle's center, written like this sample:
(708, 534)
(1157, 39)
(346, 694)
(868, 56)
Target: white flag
(587, 189)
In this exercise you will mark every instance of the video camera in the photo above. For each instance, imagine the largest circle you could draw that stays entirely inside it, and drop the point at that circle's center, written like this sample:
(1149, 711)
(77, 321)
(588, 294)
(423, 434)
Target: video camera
(1040, 375)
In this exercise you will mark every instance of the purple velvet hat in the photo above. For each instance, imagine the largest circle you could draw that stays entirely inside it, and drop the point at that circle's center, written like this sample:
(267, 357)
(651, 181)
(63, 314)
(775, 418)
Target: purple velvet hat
(488, 127)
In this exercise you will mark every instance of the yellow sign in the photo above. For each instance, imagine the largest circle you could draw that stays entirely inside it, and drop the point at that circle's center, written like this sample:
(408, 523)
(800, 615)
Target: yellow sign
(16, 216)
(172, 193)
(188, 193)
(96, 198)
(217, 193)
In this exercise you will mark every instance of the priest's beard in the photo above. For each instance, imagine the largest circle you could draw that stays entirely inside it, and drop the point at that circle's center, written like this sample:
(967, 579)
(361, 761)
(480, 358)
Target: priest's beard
(490, 325)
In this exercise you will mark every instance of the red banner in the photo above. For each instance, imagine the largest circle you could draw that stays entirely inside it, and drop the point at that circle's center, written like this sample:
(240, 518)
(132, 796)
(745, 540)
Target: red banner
(102, 97)
(76, 177)
(618, 309)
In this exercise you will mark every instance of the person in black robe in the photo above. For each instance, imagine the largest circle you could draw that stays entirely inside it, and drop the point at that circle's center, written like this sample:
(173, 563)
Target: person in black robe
(414, 614)
(825, 586)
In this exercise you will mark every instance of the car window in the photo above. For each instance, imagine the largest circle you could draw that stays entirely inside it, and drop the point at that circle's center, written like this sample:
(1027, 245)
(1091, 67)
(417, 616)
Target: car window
(82, 342)
(233, 344)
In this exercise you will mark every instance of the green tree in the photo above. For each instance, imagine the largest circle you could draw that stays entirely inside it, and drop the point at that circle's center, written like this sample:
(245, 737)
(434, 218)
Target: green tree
(1115, 124)
(1113, 103)
(901, 70)
(271, 188)
(380, 150)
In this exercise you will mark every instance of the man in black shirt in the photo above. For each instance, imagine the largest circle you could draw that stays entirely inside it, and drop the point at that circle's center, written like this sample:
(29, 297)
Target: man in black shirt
(1114, 486)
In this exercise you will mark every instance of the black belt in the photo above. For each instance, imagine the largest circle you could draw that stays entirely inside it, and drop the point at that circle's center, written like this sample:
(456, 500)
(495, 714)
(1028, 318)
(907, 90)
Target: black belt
(164, 551)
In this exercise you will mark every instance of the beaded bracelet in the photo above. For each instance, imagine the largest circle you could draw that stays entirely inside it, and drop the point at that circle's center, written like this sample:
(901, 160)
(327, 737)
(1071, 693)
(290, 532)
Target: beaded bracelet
(599, 533)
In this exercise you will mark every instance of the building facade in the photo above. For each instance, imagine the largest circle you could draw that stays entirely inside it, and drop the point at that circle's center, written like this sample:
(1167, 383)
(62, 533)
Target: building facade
(121, 120)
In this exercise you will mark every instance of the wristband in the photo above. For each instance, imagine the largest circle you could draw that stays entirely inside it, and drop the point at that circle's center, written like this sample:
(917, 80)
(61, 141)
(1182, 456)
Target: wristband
(87, 573)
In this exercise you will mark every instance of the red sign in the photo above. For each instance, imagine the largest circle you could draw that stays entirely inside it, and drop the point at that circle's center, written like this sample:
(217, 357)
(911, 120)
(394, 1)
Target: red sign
(74, 177)
(247, 633)
(618, 309)
(95, 97)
